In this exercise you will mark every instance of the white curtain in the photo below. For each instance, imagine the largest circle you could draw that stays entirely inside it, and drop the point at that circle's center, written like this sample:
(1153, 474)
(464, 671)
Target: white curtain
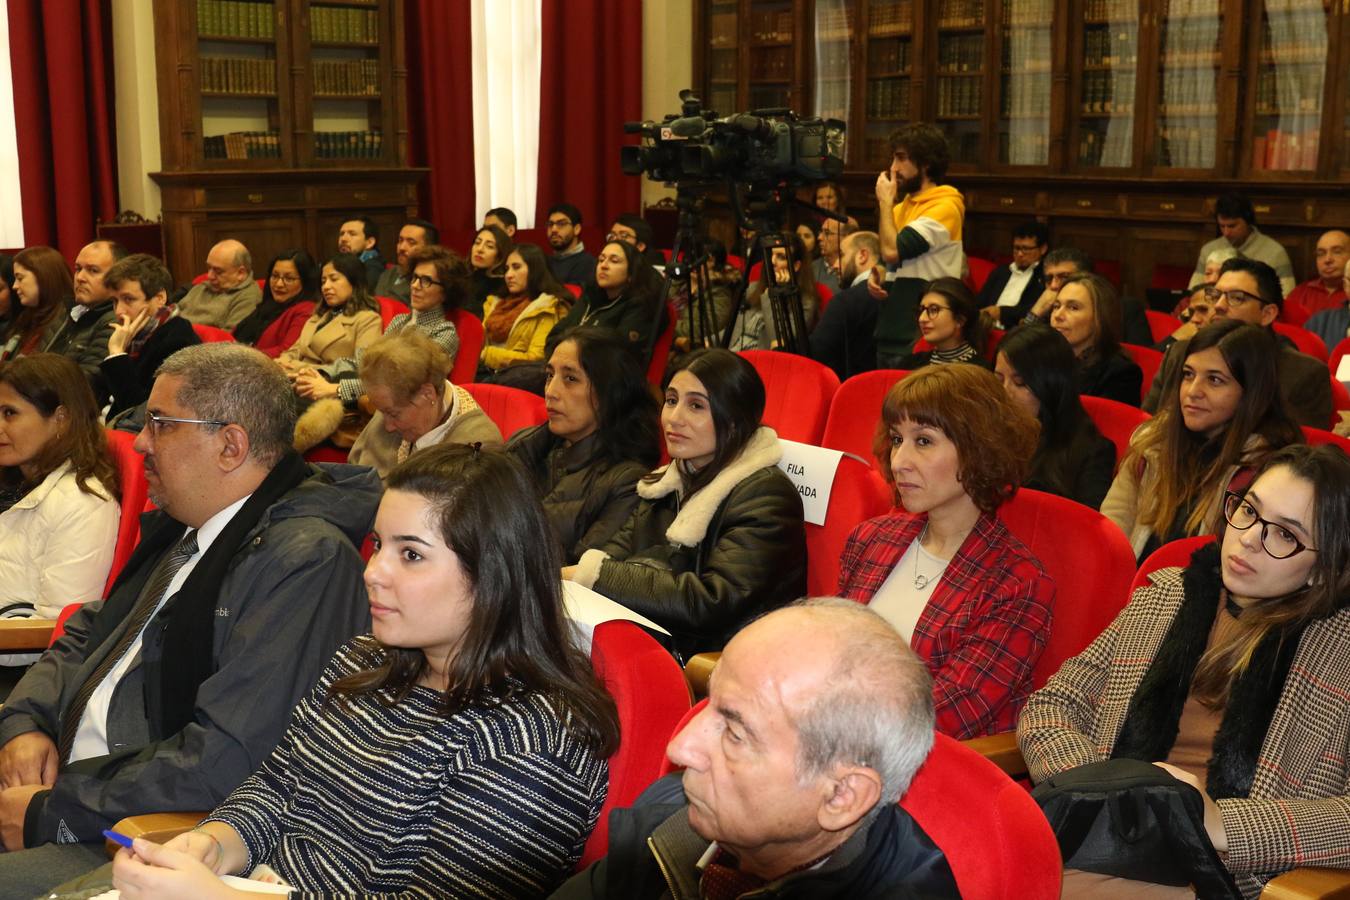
(506, 65)
(11, 208)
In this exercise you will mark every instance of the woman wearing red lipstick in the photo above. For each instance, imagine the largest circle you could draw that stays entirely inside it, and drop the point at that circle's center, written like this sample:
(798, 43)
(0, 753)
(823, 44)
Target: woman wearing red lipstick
(949, 320)
(944, 570)
(1232, 674)
(1209, 437)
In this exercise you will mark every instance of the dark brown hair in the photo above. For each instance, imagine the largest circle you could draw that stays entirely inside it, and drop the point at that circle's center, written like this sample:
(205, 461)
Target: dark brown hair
(504, 247)
(1106, 312)
(995, 438)
(452, 271)
(964, 307)
(56, 288)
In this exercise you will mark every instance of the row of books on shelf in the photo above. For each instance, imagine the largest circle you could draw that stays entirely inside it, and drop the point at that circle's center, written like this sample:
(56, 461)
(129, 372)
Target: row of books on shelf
(1286, 151)
(1103, 47)
(1027, 51)
(722, 30)
(1290, 53)
(958, 96)
(1028, 12)
(347, 76)
(1282, 90)
(888, 56)
(243, 145)
(1188, 9)
(877, 152)
(834, 23)
(771, 62)
(961, 14)
(833, 58)
(1187, 148)
(888, 98)
(355, 26)
(1108, 92)
(722, 65)
(1174, 57)
(885, 19)
(961, 53)
(1189, 92)
(1112, 148)
(1113, 10)
(238, 76)
(236, 18)
(965, 141)
(1023, 97)
(1023, 148)
(348, 144)
(771, 25)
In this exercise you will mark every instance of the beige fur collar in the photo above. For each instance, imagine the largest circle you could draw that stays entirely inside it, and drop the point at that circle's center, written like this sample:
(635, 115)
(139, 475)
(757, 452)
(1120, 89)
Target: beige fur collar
(691, 522)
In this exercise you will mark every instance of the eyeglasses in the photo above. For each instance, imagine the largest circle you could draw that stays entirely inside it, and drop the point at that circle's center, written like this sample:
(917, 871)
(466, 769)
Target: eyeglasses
(624, 236)
(1234, 298)
(932, 310)
(155, 422)
(285, 279)
(1278, 542)
(424, 281)
(559, 223)
(1026, 249)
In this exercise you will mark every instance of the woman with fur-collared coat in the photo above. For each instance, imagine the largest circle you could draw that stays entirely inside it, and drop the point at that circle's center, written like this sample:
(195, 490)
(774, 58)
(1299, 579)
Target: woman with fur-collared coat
(1233, 674)
(717, 537)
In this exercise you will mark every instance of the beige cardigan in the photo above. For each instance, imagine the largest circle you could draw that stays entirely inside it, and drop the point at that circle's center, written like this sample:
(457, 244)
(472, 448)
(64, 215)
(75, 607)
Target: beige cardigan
(340, 336)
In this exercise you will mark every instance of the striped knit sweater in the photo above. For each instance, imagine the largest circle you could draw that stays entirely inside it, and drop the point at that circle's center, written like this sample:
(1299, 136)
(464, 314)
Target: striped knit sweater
(378, 801)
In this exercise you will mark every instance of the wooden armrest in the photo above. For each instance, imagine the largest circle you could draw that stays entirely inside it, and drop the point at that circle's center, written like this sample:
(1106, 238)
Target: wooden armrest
(26, 634)
(1001, 750)
(1332, 884)
(157, 827)
(698, 670)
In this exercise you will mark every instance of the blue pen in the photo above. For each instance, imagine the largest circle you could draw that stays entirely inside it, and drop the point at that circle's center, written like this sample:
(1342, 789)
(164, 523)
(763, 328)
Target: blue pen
(117, 838)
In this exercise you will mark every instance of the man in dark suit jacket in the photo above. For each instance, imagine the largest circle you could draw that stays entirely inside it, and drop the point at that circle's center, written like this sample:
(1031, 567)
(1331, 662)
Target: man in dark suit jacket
(845, 337)
(1008, 306)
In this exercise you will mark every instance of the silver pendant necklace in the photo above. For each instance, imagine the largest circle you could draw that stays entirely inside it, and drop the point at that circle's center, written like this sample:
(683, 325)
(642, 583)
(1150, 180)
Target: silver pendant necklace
(920, 581)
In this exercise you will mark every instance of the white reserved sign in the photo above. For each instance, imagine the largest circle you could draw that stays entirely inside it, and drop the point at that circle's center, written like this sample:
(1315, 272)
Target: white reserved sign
(812, 469)
(1343, 369)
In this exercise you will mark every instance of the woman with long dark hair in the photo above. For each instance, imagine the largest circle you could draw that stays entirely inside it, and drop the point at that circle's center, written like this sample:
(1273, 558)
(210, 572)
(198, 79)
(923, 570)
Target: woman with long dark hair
(600, 438)
(288, 298)
(347, 319)
(1040, 374)
(459, 749)
(1210, 435)
(617, 300)
(43, 290)
(1231, 674)
(487, 265)
(516, 325)
(949, 320)
(717, 536)
(756, 329)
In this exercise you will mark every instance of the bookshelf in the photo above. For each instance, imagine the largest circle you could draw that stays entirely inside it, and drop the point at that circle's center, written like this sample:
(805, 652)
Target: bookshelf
(1289, 55)
(888, 90)
(1189, 84)
(1026, 74)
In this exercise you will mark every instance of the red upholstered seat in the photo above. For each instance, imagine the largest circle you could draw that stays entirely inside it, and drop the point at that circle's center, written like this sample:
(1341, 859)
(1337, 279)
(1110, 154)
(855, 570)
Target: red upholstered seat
(825, 295)
(1340, 401)
(212, 335)
(131, 471)
(1149, 360)
(511, 408)
(1176, 553)
(1337, 352)
(1116, 421)
(856, 410)
(858, 494)
(1169, 278)
(798, 393)
(656, 366)
(1090, 561)
(1303, 339)
(389, 307)
(1161, 324)
(470, 332)
(1316, 436)
(980, 270)
(326, 453)
(652, 696)
(60, 627)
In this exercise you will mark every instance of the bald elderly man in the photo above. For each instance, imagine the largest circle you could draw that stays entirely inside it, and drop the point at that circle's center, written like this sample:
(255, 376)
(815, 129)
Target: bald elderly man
(229, 292)
(1327, 290)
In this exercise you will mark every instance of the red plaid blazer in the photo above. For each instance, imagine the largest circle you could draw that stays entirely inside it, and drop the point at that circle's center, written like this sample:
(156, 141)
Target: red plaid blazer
(985, 625)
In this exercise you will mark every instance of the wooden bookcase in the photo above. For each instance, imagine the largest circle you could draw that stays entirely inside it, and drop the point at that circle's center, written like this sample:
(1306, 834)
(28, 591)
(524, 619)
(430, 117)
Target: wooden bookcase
(1115, 121)
(278, 120)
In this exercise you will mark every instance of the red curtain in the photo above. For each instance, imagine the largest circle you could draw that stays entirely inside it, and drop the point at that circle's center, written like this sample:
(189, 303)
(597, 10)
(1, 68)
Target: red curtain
(440, 108)
(591, 83)
(60, 57)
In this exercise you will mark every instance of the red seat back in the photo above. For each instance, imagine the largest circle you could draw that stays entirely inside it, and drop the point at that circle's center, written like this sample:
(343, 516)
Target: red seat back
(470, 331)
(1337, 353)
(1177, 553)
(59, 628)
(856, 410)
(1108, 269)
(991, 343)
(980, 270)
(575, 289)
(656, 366)
(1149, 360)
(200, 278)
(327, 453)
(858, 494)
(131, 472)
(1340, 401)
(1160, 324)
(1115, 420)
(510, 408)
(825, 295)
(652, 696)
(1088, 558)
(212, 335)
(1169, 278)
(1316, 436)
(1303, 339)
(389, 307)
(798, 391)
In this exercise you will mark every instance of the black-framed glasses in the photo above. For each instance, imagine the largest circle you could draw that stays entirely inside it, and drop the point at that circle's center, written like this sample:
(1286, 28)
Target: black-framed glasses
(155, 422)
(424, 281)
(1278, 542)
(1235, 298)
(624, 236)
(932, 310)
(285, 278)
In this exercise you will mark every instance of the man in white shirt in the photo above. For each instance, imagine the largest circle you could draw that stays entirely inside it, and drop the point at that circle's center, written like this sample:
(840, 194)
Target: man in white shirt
(1011, 291)
(165, 696)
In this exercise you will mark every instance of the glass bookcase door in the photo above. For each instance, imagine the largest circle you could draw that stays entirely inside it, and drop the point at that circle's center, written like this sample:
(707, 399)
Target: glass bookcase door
(1291, 70)
(889, 53)
(237, 75)
(723, 57)
(1106, 101)
(960, 76)
(771, 53)
(1189, 61)
(1026, 64)
(345, 58)
(833, 70)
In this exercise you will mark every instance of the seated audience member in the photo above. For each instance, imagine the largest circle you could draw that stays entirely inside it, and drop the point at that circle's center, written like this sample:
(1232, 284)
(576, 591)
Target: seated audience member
(60, 513)
(1040, 374)
(943, 569)
(9, 304)
(288, 299)
(360, 236)
(634, 229)
(615, 299)
(1012, 290)
(228, 294)
(83, 335)
(1327, 290)
(166, 695)
(807, 233)
(836, 715)
(845, 338)
(1221, 417)
(703, 324)
(717, 536)
(1231, 675)
(414, 235)
(1196, 314)
(487, 265)
(600, 438)
(470, 725)
(949, 321)
(1057, 266)
(149, 329)
(570, 263)
(1333, 325)
(756, 329)
(516, 325)
(415, 405)
(829, 242)
(830, 195)
(347, 319)
(44, 291)
(1236, 220)
(1248, 291)
(1087, 313)
(503, 218)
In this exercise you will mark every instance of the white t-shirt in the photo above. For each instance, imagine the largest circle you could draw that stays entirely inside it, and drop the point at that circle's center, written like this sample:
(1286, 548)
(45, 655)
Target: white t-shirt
(1017, 283)
(898, 600)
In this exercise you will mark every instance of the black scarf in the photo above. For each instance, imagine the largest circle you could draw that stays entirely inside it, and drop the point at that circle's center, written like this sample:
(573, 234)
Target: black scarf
(1154, 715)
(264, 314)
